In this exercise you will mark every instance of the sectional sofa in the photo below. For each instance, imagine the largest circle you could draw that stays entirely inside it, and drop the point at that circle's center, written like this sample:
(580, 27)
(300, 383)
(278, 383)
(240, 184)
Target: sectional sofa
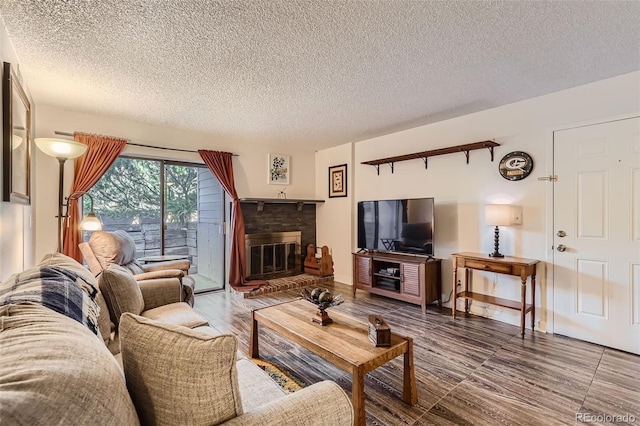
(76, 350)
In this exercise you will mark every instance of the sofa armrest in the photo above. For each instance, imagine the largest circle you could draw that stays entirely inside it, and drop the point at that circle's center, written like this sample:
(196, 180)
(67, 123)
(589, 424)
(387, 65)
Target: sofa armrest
(323, 403)
(160, 291)
(183, 265)
(166, 273)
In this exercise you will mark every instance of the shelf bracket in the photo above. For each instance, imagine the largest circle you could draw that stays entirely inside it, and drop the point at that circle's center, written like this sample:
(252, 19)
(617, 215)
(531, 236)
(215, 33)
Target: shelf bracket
(377, 166)
(490, 148)
(425, 162)
(391, 164)
(300, 205)
(466, 154)
(260, 206)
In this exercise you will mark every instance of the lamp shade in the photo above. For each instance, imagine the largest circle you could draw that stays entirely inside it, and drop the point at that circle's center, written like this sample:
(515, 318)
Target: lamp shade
(61, 148)
(91, 223)
(497, 214)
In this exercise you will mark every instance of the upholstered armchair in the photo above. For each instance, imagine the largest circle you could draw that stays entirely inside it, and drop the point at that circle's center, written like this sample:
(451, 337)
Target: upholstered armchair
(105, 248)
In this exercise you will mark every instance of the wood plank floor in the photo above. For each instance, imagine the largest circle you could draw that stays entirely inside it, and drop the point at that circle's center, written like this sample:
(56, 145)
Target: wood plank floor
(471, 371)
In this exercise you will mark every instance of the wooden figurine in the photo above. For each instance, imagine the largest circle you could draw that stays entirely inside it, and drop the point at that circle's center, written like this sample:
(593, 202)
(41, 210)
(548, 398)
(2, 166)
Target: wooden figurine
(322, 266)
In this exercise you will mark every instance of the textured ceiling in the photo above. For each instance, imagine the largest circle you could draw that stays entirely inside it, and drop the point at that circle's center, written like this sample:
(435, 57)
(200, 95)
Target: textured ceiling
(319, 73)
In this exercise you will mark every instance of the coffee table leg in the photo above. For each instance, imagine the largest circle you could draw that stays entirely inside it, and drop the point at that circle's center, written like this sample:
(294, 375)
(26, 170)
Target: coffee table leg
(357, 396)
(409, 391)
(253, 339)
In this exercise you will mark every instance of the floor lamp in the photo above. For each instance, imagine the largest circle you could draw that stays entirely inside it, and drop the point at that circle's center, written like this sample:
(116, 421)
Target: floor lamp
(62, 150)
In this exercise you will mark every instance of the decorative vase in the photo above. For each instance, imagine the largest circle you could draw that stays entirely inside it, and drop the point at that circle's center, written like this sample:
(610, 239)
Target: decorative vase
(323, 300)
(322, 317)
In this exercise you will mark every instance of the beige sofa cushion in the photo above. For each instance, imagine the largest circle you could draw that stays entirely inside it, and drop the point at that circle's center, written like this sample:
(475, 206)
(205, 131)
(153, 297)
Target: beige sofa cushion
(121, 291)
(178, 376)
(256, 387)
(53, 370)
(179, 313)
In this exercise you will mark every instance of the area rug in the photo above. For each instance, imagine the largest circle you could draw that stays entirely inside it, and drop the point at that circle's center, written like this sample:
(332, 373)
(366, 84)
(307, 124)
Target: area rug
(286, 381)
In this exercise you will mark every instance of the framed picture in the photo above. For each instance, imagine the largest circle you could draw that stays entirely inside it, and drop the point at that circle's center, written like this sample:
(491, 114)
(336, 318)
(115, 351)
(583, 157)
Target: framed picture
(16, 137)
(279, 169)
(338, 181)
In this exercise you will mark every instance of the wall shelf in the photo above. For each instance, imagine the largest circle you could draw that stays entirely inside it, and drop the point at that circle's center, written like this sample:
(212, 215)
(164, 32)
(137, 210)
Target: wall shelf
(466, 148)
(262, 201)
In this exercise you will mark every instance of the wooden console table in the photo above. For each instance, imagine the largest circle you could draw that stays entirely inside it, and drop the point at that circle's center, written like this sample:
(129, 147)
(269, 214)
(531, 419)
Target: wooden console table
(516, 266)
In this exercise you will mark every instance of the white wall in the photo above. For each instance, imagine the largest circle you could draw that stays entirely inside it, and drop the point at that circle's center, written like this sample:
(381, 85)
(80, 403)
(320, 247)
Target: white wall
(461, 190)
(250, 167)
(16, 235)
(333, 217)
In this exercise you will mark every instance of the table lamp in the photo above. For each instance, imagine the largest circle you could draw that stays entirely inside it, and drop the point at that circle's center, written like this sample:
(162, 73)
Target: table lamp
(497, 215)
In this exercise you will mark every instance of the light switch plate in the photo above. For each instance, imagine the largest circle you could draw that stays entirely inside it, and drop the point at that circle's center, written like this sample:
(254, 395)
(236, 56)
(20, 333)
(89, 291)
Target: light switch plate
(516, 215)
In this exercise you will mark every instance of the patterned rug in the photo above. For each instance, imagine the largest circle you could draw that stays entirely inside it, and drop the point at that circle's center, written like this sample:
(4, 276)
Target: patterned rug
(285, 380)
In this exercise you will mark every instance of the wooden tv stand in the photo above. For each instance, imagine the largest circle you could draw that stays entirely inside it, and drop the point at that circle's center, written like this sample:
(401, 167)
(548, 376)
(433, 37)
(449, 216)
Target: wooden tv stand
(413, 279)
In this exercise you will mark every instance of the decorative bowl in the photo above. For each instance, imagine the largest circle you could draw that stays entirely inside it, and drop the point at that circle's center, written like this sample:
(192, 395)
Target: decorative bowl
(323, 299)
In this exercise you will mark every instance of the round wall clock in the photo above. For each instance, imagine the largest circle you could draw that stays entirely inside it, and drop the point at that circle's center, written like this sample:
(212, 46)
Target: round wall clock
(516, 165)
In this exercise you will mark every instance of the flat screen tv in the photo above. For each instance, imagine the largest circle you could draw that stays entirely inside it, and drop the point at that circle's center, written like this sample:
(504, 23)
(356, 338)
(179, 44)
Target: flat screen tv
(404, 226)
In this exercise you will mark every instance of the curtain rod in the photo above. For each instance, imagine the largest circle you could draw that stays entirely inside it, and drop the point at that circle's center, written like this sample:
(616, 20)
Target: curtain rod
(57, 132)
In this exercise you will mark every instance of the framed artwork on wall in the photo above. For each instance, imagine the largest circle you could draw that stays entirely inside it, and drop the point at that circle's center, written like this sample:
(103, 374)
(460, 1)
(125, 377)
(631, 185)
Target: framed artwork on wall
(338, 181)
(279, 169)
(16, 138)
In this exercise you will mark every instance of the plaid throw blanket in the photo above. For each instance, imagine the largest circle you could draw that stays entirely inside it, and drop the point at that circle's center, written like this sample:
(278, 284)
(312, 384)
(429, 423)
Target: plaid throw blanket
(56, 288)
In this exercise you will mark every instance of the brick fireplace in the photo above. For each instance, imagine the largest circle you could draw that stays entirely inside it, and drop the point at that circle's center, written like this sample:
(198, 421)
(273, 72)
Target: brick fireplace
(276, 216)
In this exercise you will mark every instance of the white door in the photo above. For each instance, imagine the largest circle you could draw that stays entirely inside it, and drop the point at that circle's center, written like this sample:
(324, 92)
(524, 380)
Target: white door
(597, 206)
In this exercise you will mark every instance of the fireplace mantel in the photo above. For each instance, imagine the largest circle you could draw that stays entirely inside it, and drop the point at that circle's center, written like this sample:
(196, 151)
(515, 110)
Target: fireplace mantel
(262, 201)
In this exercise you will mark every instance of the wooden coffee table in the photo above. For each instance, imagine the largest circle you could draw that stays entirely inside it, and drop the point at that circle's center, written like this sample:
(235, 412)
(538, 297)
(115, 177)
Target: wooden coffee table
(344, 343)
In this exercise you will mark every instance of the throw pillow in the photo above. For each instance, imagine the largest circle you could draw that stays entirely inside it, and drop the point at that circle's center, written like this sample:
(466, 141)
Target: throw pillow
(121, 291)
(179, 376)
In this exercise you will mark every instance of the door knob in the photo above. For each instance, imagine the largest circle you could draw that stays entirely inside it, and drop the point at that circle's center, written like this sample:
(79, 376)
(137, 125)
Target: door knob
(562, 234)
(561, 247)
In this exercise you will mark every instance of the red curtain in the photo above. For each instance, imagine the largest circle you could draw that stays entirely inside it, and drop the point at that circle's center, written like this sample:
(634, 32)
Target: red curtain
(220, 165)
(102, 151)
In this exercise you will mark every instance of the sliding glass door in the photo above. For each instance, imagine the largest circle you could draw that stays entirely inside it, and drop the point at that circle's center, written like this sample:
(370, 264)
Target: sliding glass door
(174, 210)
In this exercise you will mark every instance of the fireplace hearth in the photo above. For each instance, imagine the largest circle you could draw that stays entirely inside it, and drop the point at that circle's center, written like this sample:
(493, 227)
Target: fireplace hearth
(272, 255)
